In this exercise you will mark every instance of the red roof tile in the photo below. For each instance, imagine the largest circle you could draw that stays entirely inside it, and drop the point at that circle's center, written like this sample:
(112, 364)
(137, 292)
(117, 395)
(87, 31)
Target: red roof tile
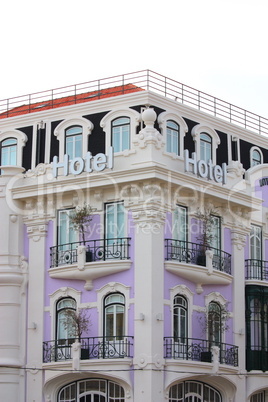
(68, 100)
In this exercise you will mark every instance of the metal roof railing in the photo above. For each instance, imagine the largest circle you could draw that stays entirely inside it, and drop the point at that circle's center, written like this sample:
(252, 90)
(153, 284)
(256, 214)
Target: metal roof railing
(132, 82)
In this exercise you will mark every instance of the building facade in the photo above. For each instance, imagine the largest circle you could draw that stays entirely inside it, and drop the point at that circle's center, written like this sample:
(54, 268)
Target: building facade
(169, 280)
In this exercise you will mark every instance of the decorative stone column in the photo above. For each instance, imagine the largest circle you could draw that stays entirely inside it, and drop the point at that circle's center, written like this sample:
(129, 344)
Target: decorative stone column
(37, 232)
(149, 222)
(238, 266)
(13, 280)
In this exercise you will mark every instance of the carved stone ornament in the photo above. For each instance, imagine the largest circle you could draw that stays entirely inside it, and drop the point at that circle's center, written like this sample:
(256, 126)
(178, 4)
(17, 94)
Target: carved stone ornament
(238, 239)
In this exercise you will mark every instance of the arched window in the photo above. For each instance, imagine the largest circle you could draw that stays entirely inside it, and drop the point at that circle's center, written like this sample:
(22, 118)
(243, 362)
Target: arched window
(256, 242)
(214, 323)
(259, 397)
(64, 335)
(173, 137)
(205, 147)
(120, 134)
(193, 391)
(73, 141)
(92, 390)
(255, 157)
(114, 316)
(9, 152)
(180, 318)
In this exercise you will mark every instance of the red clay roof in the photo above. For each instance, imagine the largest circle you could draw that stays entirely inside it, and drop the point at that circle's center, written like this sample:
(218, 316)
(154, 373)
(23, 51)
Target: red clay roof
(69, 100)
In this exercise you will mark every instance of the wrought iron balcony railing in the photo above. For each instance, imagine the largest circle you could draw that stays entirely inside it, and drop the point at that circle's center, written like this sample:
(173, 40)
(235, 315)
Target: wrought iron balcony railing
(194, 253)
(105, 347)
(256, 269)
(96, 250)
(199, 350)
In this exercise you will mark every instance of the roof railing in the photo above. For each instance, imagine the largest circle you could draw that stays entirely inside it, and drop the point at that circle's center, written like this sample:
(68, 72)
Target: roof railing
(140, 80)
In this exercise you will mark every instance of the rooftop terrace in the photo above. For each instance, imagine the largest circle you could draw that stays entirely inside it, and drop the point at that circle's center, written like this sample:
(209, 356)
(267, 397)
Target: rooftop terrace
(128, 83)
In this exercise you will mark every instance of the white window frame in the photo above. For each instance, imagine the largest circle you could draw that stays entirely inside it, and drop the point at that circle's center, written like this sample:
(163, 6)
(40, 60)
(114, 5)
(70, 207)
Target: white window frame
(253, 236)
(54, 298)
(114, 306)
(121, 133)
(60, 130)
(252, 150)
(216, 297)
(106, 124)
(71, 139)
(185, 292)
(177, 217)
(21, 141)
(204, 129)
(112, 287)
(163, 118)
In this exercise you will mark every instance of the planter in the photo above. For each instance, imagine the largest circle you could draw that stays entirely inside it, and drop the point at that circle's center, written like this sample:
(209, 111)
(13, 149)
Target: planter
(89, 256)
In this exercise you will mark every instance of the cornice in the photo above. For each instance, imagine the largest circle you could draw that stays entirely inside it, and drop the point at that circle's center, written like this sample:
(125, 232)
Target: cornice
(138, 174)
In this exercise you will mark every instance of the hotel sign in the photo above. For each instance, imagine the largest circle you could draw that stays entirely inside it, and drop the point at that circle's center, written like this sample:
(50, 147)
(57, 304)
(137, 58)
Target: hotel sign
(87, 164)
(205, 169)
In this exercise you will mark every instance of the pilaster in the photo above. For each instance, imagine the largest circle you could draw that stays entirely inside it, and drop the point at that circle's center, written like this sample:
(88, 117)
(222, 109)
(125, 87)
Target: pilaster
(238, 263)
(149, 284)
(37, 232)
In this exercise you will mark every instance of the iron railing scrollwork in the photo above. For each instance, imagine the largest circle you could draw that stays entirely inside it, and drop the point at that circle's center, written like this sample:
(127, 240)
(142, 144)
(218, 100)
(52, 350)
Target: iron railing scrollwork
(199, 350)
(96, 250)
(104, 347)
(194, 253)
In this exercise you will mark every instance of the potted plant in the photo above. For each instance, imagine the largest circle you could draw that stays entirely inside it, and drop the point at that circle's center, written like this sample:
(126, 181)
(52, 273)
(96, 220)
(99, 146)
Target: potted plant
(77, 323)
(80, 220)
(205, 236)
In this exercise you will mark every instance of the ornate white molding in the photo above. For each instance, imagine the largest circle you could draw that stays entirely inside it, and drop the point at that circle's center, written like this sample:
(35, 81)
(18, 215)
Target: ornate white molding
(238, 239)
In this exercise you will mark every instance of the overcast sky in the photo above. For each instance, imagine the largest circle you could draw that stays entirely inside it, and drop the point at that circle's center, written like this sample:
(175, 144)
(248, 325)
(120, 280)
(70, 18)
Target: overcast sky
(216, 46)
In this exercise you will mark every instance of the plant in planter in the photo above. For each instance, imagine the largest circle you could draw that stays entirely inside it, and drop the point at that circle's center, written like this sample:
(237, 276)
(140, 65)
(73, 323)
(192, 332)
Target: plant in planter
(205, 236)
(213, 323)
(80, 220)
(77, 323)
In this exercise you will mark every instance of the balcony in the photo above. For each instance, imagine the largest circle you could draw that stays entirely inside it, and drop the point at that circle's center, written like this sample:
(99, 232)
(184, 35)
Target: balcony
(91, 348)
(199, 350)
(89, 261)
(96, 250)
(208, 265)
(256, 270)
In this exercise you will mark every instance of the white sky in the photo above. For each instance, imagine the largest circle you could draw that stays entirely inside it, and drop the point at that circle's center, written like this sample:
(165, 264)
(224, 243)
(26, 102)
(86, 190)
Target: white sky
(216, 46)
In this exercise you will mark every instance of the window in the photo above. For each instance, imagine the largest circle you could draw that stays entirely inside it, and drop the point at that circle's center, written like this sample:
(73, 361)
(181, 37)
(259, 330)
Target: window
(9, 152)
(66, 233)
(66, 250)
(257, 328)
(63, 334)
(92, 390)
(193, 391)
(173, 137)
(214, 323)
(215, 241)
(73, 142)
(114, 315)
(180, 223)
(259, 397)
(256, 242)
(205, 147)
(206, 142)
(121, 134)
(180, 319)
(115, 221)
(256, 157)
